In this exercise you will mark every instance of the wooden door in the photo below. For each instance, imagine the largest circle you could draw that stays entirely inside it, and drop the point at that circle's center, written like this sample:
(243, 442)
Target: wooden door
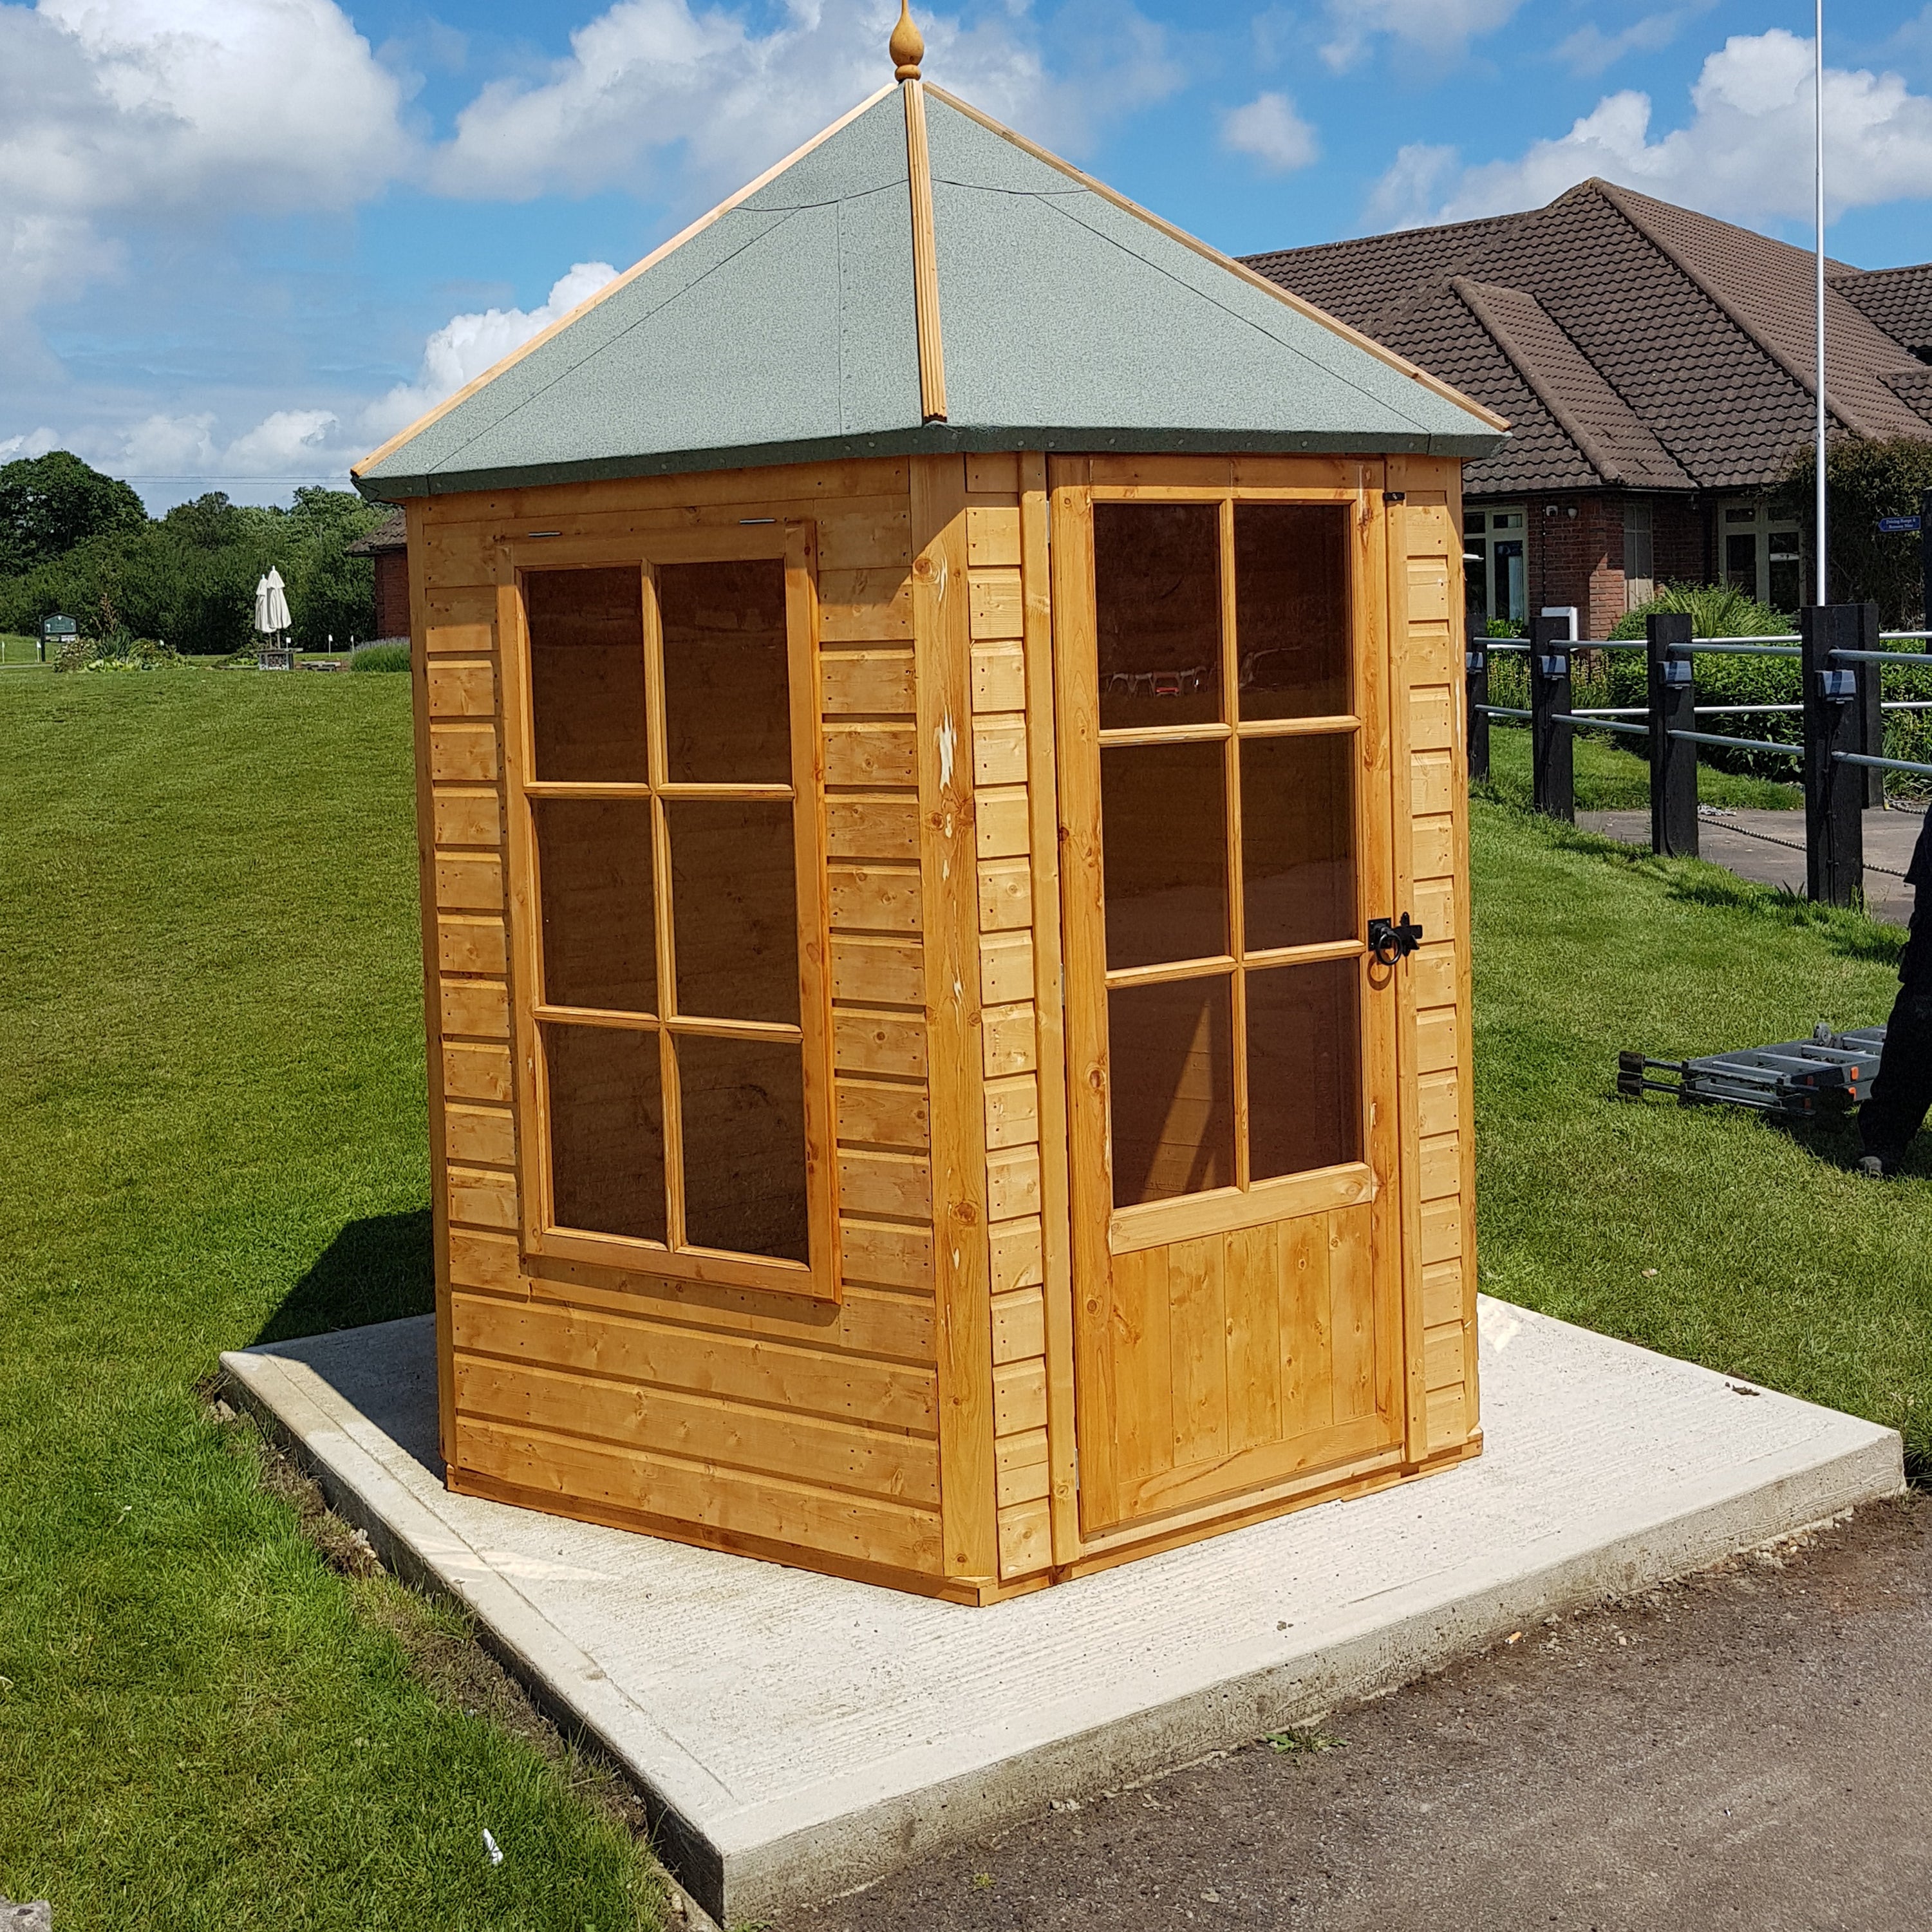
(1225, 800)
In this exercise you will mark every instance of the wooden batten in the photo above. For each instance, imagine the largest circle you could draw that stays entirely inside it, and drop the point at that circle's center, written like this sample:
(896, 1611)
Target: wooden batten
(943, 637)
(924, 258)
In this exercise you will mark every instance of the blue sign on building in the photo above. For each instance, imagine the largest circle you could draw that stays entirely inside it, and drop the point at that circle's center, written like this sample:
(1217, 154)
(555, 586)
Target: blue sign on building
(1898, 526)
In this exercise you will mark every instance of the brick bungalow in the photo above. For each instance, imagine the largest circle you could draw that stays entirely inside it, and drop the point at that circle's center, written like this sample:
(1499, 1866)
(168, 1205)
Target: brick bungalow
(1656, 368)
(388, 544)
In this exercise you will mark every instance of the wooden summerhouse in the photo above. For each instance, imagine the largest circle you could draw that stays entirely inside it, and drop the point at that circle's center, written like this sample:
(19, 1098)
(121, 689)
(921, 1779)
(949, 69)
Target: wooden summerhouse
(922, 687)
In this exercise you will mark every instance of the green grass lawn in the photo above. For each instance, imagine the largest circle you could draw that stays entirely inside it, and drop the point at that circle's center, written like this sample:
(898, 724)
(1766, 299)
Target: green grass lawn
(1609, 778)
(212, 1083)
(211, 1077)
(1704, 1232)
(15, 649)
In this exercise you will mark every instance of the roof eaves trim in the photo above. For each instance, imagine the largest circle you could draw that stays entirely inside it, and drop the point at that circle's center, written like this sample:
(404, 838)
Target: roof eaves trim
(1607, 466)
(1287, 297)
(935, 439)
(1806, 380)
(404, 437)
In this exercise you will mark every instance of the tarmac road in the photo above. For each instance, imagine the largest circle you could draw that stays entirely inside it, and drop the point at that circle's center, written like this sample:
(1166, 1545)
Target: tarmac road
(1751, 1748)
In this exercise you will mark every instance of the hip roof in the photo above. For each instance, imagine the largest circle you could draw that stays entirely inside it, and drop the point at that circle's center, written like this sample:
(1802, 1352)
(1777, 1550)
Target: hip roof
(1633, 343)
(786, 326)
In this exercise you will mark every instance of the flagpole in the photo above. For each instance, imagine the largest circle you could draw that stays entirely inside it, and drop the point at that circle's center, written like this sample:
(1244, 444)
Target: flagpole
(1822, 593)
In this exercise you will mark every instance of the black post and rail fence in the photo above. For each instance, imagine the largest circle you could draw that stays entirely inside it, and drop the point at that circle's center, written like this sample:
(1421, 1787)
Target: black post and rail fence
(1841, 655)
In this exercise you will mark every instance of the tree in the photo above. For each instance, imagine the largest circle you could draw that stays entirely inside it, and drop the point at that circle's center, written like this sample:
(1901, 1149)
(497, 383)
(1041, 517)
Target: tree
(1864, 481)
(49, 503)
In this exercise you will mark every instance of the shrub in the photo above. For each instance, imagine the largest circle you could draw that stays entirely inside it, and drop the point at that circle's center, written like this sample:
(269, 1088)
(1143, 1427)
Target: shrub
(389, 654)
(1865, 480)
(1715, 610)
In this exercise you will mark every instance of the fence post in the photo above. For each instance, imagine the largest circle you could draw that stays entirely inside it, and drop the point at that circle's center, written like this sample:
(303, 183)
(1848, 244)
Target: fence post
(1551, 745)
(1476, 685)
(1673, 764)
(1833, 793)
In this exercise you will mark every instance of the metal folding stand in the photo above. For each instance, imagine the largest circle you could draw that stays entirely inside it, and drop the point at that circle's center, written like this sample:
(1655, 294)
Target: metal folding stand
(1829, 1073)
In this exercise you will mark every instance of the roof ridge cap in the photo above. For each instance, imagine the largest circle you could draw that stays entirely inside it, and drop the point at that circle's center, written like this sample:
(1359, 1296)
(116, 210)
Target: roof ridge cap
(1472, 292)
(1615, 195)
(1287, 297)
(437, 412)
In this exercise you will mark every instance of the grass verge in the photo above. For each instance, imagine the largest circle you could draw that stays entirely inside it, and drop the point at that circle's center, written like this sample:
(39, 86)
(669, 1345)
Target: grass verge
(1705, 1232)
(1609, 778)
(213, 1084)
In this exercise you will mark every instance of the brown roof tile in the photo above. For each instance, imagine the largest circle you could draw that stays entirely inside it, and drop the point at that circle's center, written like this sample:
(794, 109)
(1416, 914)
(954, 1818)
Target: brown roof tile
(1898, 300)
(1657, 348)
(391, 533)
(1610, 435)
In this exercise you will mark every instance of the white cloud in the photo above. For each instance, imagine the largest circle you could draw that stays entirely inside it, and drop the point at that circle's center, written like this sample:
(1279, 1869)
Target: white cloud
(1590, 50)
(286, 443)
(1270, 129)
(289, 443)
(1745, 155)
(1411, 185)
(133, 109)
(466, 345)
(33, 442)
(1436, 30)
(651, 85)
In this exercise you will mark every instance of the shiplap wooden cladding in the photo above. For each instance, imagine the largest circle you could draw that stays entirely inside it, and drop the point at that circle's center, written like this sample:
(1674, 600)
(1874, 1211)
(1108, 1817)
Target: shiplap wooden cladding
(1037, 1317)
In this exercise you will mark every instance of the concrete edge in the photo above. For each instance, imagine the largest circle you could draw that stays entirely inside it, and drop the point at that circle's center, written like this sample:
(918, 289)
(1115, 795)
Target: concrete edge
(820, 1857)
(731, 1875)
(415, 1543)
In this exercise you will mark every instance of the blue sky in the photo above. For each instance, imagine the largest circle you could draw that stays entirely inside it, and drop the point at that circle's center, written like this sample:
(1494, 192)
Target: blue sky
(242, 241)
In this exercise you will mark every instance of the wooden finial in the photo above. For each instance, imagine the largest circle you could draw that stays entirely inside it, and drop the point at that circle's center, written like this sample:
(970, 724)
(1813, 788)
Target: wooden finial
(906, 46)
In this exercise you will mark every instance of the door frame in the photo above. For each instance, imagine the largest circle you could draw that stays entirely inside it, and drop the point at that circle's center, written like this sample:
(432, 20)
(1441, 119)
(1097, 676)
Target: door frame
(1099, 1230)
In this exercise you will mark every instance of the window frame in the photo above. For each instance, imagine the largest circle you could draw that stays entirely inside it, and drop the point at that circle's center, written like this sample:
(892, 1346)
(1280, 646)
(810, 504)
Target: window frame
(749, 537)
(1248, 1202)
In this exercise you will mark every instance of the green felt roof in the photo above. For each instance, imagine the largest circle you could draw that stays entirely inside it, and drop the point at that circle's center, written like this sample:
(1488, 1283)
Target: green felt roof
(782, 329)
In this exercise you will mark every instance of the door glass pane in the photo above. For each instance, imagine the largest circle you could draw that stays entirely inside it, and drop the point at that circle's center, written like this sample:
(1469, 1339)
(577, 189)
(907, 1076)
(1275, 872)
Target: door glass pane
(1512, 585)
(1298, 846)
(726, 703)
(587, 673)
(1741, 562)
(734, 907)
(1157, 610)
(1785, 569)
(1164, 839)
(743, 1109)
(594, 880)
(1291, 609)
(1171, 1057)
(606, 1130)
(1304, 1067)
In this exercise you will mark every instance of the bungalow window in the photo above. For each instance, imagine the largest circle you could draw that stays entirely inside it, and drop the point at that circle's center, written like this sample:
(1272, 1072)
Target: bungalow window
(1639, 565)
(1495, 568)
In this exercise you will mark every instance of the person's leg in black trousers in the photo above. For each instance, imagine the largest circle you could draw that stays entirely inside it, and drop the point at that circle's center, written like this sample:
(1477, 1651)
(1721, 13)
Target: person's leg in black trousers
(1902, 1091)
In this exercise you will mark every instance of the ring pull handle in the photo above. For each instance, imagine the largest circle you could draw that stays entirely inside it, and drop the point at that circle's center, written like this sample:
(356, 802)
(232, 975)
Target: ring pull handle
(1392, 940)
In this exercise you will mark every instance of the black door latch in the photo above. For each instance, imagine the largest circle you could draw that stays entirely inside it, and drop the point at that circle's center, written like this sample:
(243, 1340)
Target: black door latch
(1391, 939)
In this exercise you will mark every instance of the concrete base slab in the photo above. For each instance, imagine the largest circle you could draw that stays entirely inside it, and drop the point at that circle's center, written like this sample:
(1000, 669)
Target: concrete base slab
(799, 1734)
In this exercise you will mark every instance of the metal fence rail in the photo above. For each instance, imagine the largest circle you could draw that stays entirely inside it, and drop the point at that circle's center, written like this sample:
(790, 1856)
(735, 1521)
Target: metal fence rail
(1839, 746)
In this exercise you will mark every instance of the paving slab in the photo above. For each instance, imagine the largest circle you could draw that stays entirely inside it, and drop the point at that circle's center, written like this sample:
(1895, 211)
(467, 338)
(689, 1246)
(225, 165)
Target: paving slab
(1768, 847)
(797, 1735)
